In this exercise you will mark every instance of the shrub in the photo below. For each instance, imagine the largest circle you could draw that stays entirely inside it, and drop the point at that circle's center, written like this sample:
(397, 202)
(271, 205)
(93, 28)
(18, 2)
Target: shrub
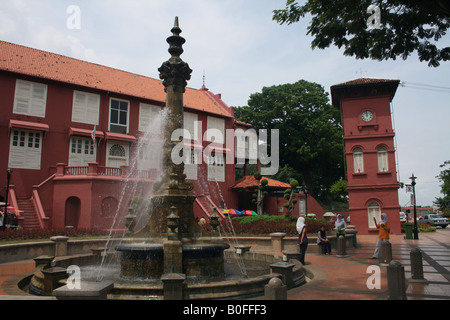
(421, 227)
(21, 234)
(264, 225)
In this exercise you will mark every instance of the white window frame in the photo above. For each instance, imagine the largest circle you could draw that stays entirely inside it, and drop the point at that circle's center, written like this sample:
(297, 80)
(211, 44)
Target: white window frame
(383, 159)
(147, 113)
(216, 167)
(149, 156)
(87, 110)
(190, 123)
(118, 118)
(373, 211)
(218, 124)
(191, 163)
(25, 149)
(27, 99)
(358, 160)
(81, 151)
(111, 158)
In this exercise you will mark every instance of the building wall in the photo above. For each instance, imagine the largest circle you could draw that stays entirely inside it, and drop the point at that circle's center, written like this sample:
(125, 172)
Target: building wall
(55, 150)
(372, 184)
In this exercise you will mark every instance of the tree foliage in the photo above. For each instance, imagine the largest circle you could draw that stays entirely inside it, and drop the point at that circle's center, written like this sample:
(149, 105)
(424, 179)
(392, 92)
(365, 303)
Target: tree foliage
(406, 26)
(310, 131)
(444, 178)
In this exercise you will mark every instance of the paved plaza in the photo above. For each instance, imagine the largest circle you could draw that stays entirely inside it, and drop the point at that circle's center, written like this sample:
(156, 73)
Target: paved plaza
(333, 278)
(346, 278)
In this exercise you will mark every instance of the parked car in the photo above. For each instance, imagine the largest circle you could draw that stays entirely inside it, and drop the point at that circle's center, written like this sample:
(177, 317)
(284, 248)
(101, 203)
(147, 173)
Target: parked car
(434, 220)
(403, 217)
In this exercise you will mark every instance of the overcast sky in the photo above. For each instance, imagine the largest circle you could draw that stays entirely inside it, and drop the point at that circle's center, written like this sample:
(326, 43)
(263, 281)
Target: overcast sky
(241, 50)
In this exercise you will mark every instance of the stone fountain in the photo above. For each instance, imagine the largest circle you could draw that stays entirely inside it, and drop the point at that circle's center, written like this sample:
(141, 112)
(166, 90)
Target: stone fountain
(172, 239)
(169, 257)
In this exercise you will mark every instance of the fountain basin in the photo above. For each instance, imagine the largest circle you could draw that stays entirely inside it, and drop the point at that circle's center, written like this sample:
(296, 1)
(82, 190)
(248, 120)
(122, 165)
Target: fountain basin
(141, 261)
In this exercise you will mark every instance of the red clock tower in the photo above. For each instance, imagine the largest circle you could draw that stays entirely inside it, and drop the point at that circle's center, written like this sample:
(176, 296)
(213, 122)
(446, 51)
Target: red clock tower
(369, 151)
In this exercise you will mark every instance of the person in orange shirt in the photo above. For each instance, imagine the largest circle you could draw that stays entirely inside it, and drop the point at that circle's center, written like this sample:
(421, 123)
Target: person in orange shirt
(383, 233)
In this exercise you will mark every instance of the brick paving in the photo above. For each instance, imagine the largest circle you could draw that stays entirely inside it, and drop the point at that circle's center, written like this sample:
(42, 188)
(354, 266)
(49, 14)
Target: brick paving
(334, 278)
(346, 278)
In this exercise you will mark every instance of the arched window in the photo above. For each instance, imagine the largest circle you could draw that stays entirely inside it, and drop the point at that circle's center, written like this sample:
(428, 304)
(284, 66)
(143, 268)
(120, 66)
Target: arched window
(382, 155)
(117, 151)
(373, 211)
(358, 160)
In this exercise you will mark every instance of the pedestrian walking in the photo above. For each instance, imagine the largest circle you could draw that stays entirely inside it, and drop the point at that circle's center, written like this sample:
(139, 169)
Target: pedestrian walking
(302, 238)
(383, 233)
(323, 241)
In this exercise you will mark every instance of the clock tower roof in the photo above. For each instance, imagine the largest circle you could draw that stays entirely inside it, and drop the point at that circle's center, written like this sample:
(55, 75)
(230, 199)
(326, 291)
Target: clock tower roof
(363, 87)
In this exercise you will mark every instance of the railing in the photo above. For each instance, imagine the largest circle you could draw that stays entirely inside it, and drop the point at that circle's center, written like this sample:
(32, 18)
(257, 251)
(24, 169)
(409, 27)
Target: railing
(93, 169)
(109, 171)
(75, 171)
(37, 203)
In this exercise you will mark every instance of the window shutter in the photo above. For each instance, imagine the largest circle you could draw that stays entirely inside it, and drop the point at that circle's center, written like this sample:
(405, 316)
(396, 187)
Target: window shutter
(92, 108)
(39, 99)
(215, 123)
(147, 115)
(23, 97)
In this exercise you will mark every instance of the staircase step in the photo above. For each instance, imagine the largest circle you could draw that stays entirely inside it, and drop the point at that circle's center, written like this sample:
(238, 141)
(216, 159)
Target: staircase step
(30, 220)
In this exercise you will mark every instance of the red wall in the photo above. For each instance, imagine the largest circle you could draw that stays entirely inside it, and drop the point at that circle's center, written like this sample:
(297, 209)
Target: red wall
(370, 185)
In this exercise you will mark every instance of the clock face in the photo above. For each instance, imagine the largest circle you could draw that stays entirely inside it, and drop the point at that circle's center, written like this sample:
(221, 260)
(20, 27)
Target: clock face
(367, 116)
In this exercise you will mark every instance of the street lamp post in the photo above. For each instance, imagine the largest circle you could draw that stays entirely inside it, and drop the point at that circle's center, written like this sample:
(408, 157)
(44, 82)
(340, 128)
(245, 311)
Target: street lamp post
(413, 183)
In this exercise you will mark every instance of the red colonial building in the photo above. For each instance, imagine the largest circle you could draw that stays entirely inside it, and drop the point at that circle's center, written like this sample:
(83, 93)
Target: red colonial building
(369, 151)
(82, 140)
(75, 135)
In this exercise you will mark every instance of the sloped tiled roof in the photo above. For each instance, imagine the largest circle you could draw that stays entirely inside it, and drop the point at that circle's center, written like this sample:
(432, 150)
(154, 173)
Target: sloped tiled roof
(250, 182)
(368, 83)
(37, 63)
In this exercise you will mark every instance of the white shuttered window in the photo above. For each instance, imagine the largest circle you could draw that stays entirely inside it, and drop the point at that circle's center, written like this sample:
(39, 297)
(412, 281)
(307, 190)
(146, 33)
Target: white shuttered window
(358, 160)
(218, 135)
(149, 118)
(382, 155)
(25, 149)
(82, 151)
(190, 122)
(30, 98)
(86, 107)
(216, 168)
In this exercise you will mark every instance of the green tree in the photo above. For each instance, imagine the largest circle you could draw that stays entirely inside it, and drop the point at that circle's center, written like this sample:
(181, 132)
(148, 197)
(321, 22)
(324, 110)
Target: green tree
(444, 178)
(338, 191)
(260, 193)
(288, 194)
(405, 26)
(310, 131)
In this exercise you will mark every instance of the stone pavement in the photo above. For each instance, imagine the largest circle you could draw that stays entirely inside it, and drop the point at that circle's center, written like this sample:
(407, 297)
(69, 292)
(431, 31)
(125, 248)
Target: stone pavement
(346, 278)
(334, 278)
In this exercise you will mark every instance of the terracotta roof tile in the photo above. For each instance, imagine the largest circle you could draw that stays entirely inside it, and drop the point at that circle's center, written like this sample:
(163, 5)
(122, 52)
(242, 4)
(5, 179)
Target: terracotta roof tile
(250, 182)
(37, 63)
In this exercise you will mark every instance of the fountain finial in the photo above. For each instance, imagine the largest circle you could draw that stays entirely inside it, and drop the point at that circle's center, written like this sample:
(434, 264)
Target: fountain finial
(176, 41)
(176, 27)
